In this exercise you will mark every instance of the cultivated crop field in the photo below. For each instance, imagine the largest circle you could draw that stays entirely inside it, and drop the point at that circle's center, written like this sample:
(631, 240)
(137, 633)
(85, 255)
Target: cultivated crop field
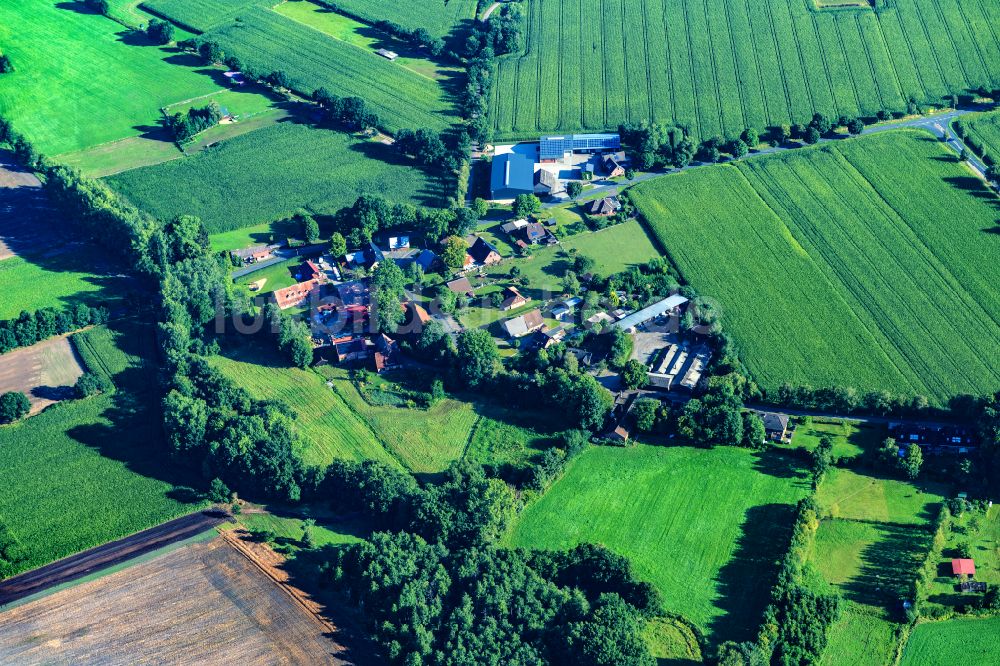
(203, 603)
(721, 66)
(80, 80)
(271, 172)
(328, 426)
(982, 133)
(93, 467)
(268, 41)
(202, 15)
(958, 642)
(703, 525)
(438, 17)
(832, 268)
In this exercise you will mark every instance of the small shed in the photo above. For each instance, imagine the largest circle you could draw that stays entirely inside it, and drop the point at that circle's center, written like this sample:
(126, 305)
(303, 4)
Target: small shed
(387, 54)
(963, 567)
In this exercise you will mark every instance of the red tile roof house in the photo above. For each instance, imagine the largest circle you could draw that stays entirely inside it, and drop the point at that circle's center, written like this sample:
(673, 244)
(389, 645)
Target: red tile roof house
(963, 567)
(297, 294)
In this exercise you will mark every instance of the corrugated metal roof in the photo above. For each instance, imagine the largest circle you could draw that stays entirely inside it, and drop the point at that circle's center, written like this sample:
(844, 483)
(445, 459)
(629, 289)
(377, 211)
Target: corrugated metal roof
(650, 312)
(512, 171)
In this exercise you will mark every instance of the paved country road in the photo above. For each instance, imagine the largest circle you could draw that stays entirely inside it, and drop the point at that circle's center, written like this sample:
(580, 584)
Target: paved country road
(82, 564)
(938, 124)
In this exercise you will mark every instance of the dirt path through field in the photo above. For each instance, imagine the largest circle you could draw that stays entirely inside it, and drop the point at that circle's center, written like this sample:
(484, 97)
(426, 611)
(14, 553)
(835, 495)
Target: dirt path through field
(46, 372)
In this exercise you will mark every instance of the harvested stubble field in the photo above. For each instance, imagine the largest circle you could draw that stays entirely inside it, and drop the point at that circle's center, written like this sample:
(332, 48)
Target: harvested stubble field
(268, 41)
(846, 274)
(721, 66)
(204, 603)
(269, 173)
(45, 372)
(705, 526)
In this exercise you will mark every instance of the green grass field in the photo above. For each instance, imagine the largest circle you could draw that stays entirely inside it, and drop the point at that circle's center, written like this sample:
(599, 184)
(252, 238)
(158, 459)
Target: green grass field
(672, 643)
(269, 173)
(982, 133)
(850, 439)
(65, 285)
(721, 66)
(954, 643)
(328, 426)
(437, 16)
(93, 468)
(860, 638)
(854, 496)
(704, 526)
(269, 41)
(847, 276)
(80, 80)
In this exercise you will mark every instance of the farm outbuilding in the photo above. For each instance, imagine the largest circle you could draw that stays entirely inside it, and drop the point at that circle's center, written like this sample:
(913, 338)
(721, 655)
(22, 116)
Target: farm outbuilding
(963, 567)
(651, 312)
(512, 175)
(555, 148)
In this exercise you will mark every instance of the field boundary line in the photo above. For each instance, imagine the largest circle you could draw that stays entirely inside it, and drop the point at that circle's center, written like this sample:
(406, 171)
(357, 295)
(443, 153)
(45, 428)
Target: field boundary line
(297, 595)
(472, 434)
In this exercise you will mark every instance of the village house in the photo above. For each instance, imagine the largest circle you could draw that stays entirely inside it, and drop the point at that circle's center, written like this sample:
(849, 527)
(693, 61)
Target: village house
(512, 226)
(255, 253)
(613, 164)
(386, 354)
(368, 257)
(529, 322)
(565, 309)
(462, 287)
(482, 253)
(533, 234)
(289, 297)
(512, 299)
(934, 439)
(605, 207)
(963, 567)
(775, 425)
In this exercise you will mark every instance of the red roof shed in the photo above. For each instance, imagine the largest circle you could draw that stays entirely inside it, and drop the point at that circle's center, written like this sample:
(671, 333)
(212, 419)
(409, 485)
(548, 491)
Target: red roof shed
(966, 567)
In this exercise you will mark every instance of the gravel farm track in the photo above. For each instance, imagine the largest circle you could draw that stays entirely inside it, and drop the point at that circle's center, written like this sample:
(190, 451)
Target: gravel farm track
(82, 564)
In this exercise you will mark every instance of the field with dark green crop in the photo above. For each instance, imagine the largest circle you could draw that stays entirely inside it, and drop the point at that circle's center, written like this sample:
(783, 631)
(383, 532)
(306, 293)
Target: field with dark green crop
(267, 174)
(721, 66)
(84, 472)
(438, 17)
(268, 41)
(832, 265)
(981, 132)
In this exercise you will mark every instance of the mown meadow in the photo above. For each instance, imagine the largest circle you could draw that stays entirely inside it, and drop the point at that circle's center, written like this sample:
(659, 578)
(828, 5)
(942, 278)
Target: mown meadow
(830, 268)
(721, 66)
(81, 79)
(705, 526)
(269, 173)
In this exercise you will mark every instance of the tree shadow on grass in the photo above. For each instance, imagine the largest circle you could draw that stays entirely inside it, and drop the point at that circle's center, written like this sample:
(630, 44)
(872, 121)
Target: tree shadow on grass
(744, 583)
(782, 465)
(888, 566)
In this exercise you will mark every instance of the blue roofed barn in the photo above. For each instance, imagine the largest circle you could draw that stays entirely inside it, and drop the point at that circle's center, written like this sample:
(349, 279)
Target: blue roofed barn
(512, 175)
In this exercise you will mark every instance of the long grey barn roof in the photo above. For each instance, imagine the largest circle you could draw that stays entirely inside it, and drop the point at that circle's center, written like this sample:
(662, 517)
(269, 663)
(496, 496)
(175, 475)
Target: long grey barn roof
(650, 311)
